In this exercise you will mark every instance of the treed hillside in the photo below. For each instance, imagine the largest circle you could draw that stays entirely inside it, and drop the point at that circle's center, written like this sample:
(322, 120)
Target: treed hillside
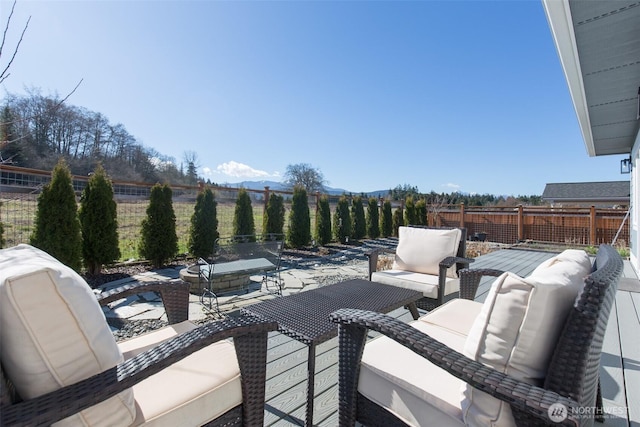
(35, 130)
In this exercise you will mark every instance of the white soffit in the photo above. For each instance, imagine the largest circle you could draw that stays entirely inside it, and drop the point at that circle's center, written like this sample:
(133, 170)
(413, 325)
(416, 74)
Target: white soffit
(598, 43)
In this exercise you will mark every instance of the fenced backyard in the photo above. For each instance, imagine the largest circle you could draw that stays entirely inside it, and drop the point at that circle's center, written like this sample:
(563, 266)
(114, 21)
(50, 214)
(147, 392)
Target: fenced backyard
(507, 225)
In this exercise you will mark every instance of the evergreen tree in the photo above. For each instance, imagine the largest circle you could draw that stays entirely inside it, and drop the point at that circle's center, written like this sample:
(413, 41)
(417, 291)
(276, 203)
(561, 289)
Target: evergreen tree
(99, 222)
(299, 219)
(342, 221)
(57, 228)
(398, 221)
(159, 242)
(410, 211)
(421, 212)
(386, 220)
(204, 224)
(243, 224)
(373, 218)
(323, 221)
(192, 173)
(358, 221)
(273, 222)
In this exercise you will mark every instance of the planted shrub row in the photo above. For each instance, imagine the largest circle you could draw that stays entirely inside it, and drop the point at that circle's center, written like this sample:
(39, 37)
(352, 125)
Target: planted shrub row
(88, 235)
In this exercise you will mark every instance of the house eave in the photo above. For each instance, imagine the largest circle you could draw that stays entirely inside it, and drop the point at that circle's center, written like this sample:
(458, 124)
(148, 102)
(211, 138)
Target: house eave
(559, 17)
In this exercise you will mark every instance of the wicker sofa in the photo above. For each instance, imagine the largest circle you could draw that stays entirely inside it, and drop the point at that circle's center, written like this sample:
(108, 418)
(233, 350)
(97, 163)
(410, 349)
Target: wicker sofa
(529, 355)
(427, 259)
(60, 363)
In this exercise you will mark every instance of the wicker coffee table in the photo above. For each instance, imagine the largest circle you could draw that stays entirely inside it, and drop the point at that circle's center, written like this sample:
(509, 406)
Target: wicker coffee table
(305, 316)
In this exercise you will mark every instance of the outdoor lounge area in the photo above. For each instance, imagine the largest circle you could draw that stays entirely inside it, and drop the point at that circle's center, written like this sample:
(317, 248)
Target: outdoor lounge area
(287, 363)
(619, 374)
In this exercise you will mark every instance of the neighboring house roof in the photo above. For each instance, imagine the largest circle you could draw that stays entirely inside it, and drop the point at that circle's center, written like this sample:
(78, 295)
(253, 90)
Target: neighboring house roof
(597, 42)
(592, 192)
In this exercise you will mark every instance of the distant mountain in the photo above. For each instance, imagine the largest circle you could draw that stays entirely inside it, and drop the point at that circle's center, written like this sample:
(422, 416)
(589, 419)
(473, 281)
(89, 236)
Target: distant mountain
(256, 185)
(278, 186)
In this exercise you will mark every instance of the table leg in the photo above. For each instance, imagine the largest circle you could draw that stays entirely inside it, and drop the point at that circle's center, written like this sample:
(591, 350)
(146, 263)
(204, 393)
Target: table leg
(311, 370)
(413, 309)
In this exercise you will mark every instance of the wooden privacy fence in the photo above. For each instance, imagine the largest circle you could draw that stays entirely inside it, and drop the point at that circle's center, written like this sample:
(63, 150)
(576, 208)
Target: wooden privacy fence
(575, 226)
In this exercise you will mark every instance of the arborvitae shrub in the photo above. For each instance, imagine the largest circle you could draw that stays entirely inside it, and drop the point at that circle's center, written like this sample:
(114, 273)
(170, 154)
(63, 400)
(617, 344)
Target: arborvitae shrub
(342, 221)
(204, 224)
(99, 222)
(373, 218)
(398, 221)
(323, 221)
(243, 224)
(386, 220)
(358, 221)
(273, 222)
(421, 212)
(410, 211)
(57, 227)
(159, 242)
(299, 219)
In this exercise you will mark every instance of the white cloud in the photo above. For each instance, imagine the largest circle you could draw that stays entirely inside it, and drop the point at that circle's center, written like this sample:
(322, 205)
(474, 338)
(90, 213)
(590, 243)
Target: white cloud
(240, 170)
(207, 171)
(452, 186)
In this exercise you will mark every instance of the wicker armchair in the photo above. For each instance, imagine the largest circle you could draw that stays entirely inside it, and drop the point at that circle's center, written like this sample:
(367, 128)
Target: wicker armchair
(162, 349)
(570, 385)
(439, 286)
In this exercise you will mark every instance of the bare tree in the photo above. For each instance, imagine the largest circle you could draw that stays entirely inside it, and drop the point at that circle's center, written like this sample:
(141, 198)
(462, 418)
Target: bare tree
(5, 140)
(305, 176)
(5, 70)
(435, 207)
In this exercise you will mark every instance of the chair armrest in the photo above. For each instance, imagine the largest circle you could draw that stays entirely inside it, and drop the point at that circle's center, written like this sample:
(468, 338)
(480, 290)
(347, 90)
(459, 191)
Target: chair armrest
(535, 401)
(470, 280)
(450, 260)
(174, 294)
(249, 336)
(373, 255)
(445, 264)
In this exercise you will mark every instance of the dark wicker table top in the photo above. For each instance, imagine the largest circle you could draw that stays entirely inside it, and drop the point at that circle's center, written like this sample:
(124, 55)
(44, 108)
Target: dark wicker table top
(305, 316)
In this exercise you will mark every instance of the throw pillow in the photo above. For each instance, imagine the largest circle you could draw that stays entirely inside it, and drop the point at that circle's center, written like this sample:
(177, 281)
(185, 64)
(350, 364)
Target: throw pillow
(518, 328)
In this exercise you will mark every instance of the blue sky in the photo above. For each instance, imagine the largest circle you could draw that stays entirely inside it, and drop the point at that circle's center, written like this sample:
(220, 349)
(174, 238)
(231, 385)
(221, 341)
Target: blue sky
(444, 95)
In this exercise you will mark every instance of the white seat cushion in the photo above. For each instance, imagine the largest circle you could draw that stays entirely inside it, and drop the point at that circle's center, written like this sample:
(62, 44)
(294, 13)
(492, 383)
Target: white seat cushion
(193, 391)
(457, 315)
(54, 333)
(518, 328)
(422, 249)
(425, 283)
(409, 386)
(134, 346)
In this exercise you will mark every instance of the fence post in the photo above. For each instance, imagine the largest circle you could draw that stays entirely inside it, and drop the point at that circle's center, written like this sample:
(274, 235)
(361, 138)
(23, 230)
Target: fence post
(461, 215)
(592, 226)
(520, 223)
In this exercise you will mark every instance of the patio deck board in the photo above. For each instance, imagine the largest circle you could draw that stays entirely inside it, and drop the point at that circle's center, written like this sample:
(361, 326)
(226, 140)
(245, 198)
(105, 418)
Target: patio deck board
(286, 363)
(611, 372)
(627, 306)
(520, 262)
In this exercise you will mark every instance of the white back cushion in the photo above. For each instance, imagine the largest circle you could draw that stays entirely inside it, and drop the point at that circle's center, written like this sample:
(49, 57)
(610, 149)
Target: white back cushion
(422, 249)
(53, 333)
(518, 328)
